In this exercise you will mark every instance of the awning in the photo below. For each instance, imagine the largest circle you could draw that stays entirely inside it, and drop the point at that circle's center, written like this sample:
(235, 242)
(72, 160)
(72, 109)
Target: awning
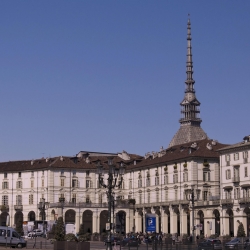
(245, 185)
(228, 187)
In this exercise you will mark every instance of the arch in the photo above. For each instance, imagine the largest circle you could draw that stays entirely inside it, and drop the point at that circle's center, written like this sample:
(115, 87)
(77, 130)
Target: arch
(70, 216)
(231, 221)
(201, 221)
(103, 220)
(120, 221)
(247, 213)
(216, 214)
(42, 215)
(18, 217)
(3, 218)
(87, 218)
(31, 216)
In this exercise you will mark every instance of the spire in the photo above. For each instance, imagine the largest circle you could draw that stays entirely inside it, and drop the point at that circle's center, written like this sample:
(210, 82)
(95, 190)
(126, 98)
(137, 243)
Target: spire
(189, 64)
(190, 121)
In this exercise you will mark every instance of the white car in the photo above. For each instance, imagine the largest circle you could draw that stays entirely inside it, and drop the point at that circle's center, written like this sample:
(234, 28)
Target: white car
(36, 232)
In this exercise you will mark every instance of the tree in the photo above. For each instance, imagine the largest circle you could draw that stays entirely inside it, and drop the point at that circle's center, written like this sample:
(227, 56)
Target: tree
(241, 231)
(19, 226)
(60, 230)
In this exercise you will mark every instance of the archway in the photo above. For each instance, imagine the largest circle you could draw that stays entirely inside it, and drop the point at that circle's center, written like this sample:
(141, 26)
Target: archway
(217, 221)
(87, 218)
(3, 218)
(18, 217)
(103, 220)
(120, 222)
(42, 216)
(31, 216)
(247, 212)
(201, 220)
(70, 216)
(231, 222)
(177, 212)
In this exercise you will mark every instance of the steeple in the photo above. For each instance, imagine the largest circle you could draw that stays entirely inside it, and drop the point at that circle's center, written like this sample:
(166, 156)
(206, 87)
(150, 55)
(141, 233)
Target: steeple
(190, 121)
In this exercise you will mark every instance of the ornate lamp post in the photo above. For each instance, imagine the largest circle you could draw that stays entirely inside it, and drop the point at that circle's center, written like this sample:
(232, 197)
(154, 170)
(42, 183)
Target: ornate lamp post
(113, 174)
(42, 206)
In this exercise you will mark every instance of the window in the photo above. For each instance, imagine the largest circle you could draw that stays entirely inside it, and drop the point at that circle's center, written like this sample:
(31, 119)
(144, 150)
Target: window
(100, 198)
(228, 174)
(19, 184)
(157, 180)
(246, 173)
(5, 175)
(227, 157)
(74, 173)
(175, 178)
(157, 196)
(206, 176)
(245, 154)
(5, 185)
(74, 183)
(148, 182)
(5, 200)
(87, 199)
(246, 192)
(62, 172)
(31, 183)
(62, 182)
(148, 197)
(205, 195)
(140, 182)
(140, 198)
(19, 200)
(228, 194)
(165, 179)
(43, 172)
(73, 198)
(237, 193)
(166, 195)
(19, 174)
(185, 176)
(129, 196)
(42, 196)
(42, 182)
(130, 184)
(32, 173)
(31, 199)
(236, 156)
(87, 173)
(175, 194)
(88, 184)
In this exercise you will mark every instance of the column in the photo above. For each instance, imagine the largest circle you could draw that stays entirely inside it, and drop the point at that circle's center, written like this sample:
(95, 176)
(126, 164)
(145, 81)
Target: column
(127, 223)
(94, 221)
(183, 219)
(77, 224)
(138, 222)
(157, 223)
(164, 221)
(173, 222)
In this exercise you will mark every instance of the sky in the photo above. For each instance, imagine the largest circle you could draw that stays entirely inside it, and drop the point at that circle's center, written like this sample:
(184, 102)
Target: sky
(107, 76)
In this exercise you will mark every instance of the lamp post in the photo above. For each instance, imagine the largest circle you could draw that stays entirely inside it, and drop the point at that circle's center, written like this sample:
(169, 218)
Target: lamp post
(42, 206)
(113, 174)
(192, 199)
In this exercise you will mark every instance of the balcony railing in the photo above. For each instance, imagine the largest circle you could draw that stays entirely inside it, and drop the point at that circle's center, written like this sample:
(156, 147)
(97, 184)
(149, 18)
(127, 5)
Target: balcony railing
(236, 179)
(18, 207)
(227, 201)
(153, 204)
(216, 202)
(244, 200)
(85, 205)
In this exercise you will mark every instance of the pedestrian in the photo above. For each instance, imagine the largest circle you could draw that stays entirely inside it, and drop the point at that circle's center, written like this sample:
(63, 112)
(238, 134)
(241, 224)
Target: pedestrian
(173, 239)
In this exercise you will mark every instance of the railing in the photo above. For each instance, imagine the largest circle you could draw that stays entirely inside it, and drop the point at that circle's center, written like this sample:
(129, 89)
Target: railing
(18, 207)
(85, 205)
(227, 201)
(216, 202)
(236, 179)
(244, 200)
(153, 204)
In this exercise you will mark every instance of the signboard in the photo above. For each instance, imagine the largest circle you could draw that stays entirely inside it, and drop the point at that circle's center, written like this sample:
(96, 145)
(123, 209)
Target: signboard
(150, 220)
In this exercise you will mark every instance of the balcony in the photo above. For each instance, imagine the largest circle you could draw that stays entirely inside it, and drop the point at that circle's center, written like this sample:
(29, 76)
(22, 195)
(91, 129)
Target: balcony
(227, 201)
(244, 200)
(18, 207)
(153, 204)
(4, 208)
(216, 202)
(236, 179)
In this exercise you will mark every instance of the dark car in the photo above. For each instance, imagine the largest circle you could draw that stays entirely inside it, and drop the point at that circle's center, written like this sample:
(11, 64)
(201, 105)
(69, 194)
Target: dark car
(133, 242)
(113, 241)
(233, 244)
(247, 244)
(210, 244)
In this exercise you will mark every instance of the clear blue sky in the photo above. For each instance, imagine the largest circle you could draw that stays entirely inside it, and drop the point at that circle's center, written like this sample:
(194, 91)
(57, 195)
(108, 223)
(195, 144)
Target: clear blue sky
(109, 75)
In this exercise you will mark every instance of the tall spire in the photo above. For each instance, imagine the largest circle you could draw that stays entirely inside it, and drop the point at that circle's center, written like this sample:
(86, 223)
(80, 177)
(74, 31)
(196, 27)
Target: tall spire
(190, 121)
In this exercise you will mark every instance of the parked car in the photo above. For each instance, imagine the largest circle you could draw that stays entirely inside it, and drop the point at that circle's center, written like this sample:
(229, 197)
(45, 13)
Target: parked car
(113, 241)
(210, 244)
(36, 232)
(233, 244)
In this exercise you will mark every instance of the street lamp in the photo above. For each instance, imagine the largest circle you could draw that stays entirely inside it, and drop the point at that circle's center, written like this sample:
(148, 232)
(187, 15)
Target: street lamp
(113, 174)
(42, 206)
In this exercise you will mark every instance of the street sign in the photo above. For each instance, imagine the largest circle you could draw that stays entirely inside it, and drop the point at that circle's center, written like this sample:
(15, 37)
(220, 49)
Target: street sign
(150, 222)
